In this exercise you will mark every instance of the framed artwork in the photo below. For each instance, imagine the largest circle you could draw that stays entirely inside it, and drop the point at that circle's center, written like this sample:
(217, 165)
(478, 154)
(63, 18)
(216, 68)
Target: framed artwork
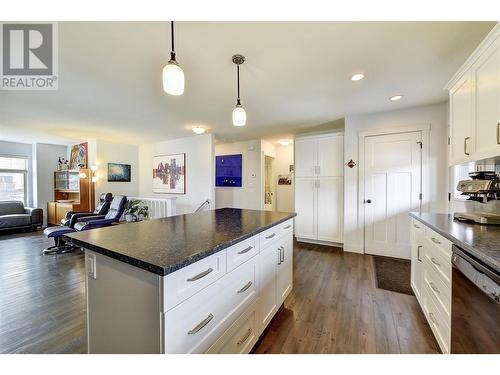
(169, 174)
(228, 170)
(284, 179)
(78, 156)
(118, 172)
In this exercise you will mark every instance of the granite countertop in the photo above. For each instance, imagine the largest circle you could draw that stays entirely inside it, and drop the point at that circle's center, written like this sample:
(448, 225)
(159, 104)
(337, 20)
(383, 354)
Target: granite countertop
(480, 241)
(163, 246)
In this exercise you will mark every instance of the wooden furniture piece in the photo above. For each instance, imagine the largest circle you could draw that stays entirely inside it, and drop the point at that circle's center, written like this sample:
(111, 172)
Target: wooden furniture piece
(68, 185)
(474, 93)
(431, 280)
(319, 185)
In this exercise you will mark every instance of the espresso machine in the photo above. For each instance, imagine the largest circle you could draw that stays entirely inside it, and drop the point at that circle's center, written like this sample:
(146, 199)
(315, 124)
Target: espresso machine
(483, 187)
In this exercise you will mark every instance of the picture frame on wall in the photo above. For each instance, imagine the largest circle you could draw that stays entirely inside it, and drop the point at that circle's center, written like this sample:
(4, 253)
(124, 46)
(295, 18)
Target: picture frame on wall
(118, 172)
(169, 174)
(229, 170)
(79, 156)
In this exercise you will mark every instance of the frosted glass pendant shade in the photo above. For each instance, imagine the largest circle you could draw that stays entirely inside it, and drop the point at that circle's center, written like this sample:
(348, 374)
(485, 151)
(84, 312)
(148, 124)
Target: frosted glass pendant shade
(173, 78)
(239, 116)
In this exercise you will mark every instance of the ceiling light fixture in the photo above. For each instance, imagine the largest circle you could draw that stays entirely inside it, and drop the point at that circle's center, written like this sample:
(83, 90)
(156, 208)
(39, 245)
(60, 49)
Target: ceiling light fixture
(357, 77)
(199, 130)
(284, 142)
(173, 76)
(395, 98)
(239, 114)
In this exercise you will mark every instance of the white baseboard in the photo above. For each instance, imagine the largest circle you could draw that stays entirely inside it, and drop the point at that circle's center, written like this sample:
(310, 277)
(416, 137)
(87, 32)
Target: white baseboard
(353, 249)
(317, 242)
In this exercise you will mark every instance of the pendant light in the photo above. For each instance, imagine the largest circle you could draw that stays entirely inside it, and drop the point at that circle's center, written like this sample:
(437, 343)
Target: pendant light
(173, 76)
(239, 114)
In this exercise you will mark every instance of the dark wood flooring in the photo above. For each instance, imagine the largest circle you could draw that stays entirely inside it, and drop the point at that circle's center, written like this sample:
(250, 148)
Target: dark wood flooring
(334, 307)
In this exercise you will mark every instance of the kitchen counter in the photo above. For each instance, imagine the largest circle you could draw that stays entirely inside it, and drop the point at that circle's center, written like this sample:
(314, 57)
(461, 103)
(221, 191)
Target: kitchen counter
(162, 246)
(480, 241)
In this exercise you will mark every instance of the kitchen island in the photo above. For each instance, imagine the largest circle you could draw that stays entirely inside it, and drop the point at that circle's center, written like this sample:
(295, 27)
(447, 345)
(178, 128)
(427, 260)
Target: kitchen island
(203, 282)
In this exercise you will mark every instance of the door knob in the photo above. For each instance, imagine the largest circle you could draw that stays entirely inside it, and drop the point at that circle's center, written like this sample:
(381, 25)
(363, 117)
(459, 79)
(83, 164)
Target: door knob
(368, 201)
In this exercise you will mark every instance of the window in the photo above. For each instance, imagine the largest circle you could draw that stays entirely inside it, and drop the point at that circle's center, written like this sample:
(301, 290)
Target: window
(13, 176)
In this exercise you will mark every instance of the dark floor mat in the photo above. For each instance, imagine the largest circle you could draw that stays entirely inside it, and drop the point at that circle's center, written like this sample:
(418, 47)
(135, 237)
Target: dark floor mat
(393, 274)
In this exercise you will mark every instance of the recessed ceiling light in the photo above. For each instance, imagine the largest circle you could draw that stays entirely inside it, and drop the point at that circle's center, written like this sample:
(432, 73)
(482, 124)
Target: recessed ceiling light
(199, 130)
(357, 77)
(285, 142)
(396, 97)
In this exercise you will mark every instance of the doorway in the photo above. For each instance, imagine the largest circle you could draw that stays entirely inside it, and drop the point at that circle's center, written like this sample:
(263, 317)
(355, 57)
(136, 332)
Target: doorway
(390, 187)
(269, 185)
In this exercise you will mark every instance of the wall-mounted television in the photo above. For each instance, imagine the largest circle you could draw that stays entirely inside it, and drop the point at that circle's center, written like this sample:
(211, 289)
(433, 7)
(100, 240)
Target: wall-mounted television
(228, 170)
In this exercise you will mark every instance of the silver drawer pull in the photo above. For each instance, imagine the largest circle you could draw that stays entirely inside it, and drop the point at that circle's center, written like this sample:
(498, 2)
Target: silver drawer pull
(200, 275)
(245, 338)
(431, 315)
(287, 227)
(270, 236)
(435, 241)
(245, 288)
(433, 260)
(201, 325)
(434, 287)
(416, 226)
(245, 250)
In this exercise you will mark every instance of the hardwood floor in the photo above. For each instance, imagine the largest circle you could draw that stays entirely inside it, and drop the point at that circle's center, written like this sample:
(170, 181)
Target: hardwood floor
(334, 307)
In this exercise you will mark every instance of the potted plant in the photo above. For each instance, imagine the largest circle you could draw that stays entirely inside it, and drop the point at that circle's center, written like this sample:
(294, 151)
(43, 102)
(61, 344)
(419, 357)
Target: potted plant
(135, 210)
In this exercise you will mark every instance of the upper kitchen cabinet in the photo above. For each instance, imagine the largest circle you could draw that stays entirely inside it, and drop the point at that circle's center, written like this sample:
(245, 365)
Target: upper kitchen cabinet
(474, 93)
(319, 156)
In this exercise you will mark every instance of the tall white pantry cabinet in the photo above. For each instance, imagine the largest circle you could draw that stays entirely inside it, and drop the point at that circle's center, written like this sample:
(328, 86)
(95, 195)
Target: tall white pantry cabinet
(319, 184)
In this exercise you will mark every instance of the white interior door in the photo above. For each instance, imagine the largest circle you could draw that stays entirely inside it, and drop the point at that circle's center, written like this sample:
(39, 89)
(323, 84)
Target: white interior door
(392, 187)
(330, 209)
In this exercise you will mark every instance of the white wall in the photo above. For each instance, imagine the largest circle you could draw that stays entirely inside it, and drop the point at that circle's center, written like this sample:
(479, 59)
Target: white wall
(45, 158)
(284, 193)
(108, 152)
(436, 116)
(250, 194)
(200, 161)
(24, 150)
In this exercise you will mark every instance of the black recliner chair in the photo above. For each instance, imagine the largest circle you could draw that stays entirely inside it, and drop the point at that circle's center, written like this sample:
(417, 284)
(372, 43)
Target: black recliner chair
(72, 217)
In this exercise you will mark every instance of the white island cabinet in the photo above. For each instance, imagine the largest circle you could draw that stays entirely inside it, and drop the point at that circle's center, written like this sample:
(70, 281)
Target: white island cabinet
(218, 304)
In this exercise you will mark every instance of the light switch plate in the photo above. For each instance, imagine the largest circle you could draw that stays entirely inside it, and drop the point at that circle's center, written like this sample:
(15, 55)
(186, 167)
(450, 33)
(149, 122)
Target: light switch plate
(91, 266)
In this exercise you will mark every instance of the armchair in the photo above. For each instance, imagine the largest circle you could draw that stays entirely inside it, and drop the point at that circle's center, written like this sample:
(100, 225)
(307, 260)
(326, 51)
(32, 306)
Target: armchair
(72, 217)
(115, 211)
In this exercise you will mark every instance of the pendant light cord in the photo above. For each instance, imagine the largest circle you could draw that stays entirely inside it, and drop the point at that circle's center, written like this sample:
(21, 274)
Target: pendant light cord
(172, 53)
(238, 74)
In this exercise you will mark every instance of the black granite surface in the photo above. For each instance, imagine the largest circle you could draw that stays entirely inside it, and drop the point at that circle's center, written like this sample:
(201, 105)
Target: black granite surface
(163, 246)
(480, 241)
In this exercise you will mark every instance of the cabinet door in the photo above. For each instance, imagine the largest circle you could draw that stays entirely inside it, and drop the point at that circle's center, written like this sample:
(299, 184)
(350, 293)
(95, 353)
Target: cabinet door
(461, 96)
(487, 111)
(268, 260)
(305, 207)
(417, 243)
(331, 156)
(285, 270)
(61, 210)
(305, 157)
(330, 206)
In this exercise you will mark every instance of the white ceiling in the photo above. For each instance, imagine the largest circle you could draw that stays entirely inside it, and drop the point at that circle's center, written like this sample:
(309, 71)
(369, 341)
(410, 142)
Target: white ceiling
(296, 75)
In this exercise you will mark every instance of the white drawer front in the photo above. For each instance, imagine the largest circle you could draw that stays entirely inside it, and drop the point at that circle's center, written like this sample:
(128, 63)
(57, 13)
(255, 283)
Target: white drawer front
(240, 337)
(438, 259)
(438, 288)
(182, 284)
(439, 325)
(194, 325)
(241, 252)
(439, 241)
(272, 234)
(417, 226)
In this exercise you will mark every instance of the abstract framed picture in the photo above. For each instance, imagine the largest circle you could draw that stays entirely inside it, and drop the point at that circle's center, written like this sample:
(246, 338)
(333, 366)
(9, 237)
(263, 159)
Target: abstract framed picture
(169, 174)
(118, 172)
(78, 156)
(228, 170)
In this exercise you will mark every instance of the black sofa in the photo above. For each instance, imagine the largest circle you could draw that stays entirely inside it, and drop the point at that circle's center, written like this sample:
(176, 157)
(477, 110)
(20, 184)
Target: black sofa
(13, 215)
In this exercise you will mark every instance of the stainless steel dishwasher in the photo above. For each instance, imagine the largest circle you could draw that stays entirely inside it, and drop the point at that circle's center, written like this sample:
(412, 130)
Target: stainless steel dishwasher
(475, 310)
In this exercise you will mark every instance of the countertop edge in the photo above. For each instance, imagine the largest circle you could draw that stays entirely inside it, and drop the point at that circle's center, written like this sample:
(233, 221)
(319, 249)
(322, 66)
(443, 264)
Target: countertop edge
(464, 246)
(164, 271)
